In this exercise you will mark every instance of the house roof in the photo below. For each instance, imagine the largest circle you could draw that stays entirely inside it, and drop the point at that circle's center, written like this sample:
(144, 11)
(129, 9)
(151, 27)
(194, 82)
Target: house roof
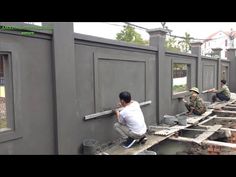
(225, 32)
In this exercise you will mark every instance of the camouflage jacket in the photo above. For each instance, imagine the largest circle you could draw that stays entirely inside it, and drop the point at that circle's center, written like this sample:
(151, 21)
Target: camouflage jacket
(225, 90)
(197, 104)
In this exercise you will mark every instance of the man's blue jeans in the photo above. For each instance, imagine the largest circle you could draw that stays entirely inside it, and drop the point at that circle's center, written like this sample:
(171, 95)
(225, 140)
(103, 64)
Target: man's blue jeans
(221, 96)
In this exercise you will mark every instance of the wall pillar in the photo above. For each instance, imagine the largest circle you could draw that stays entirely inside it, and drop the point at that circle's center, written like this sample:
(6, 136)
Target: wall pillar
(64, 84)
(217, 52)
(196, 50)
(157, 40)
(231, 53)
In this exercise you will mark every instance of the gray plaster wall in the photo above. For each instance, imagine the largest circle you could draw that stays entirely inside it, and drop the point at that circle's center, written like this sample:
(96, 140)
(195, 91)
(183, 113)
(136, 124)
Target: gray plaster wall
(33, 101)
(102, 72)
(232, 69)
(170, 103)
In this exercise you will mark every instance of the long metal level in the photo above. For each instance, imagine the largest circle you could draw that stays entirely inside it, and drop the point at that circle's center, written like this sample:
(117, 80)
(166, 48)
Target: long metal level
(103, 113)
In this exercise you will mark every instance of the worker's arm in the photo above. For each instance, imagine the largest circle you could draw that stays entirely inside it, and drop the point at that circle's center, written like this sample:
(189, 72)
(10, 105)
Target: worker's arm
(119, 118)
(212, 90)
(117, 114)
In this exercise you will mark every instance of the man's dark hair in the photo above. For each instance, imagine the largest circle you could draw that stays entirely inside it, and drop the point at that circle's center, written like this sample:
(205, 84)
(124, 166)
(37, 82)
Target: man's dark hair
(126, 96)
(223, 81)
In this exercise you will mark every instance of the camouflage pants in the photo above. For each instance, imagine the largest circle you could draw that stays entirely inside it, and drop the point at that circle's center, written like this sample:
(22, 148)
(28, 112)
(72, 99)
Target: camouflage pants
(197, 112)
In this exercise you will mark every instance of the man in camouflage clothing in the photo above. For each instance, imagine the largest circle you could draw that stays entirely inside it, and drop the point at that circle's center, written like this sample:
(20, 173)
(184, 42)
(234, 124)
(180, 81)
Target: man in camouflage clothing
(223, 94)
(196, 105)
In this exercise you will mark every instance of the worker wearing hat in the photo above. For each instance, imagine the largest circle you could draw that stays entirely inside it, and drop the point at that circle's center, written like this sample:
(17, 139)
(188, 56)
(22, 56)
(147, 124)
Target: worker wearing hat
(196, 104)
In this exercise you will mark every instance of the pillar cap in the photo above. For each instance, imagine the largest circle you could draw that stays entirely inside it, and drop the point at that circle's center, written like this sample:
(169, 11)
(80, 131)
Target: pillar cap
(231, 49)
(196, 43)
(216, 49)
(157, 31)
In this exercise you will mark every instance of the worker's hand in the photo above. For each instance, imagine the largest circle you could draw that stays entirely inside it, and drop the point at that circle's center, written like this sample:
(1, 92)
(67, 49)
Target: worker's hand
(188, 113)
(184, 100)
(118, 105)
(115, 111)
(212, 90)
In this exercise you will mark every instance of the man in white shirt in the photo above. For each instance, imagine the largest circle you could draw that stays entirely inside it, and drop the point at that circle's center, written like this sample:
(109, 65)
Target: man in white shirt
(131, 124)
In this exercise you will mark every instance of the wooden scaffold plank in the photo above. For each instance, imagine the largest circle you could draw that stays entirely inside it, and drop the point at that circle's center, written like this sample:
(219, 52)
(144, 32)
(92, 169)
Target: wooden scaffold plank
(207, 134)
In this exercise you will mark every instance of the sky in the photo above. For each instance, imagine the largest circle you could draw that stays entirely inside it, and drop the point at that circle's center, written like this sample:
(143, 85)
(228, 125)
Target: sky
(195, 29)
(200, 30)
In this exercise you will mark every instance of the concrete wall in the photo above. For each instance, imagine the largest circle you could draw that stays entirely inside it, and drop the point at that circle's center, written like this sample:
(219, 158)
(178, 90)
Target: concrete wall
(33, 113)
(170, 103)
(58, 79)
(108, 71)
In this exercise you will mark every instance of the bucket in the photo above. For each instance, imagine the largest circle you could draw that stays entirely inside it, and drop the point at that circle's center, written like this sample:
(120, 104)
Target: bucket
(146, 152)
(89, 146)
(182, 120)
(170, 120)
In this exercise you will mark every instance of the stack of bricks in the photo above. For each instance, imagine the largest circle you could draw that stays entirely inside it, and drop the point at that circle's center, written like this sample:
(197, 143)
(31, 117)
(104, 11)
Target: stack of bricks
(214, 150)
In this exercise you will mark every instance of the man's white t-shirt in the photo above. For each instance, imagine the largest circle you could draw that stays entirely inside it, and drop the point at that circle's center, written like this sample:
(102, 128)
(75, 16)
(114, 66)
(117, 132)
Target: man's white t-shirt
(132, 117)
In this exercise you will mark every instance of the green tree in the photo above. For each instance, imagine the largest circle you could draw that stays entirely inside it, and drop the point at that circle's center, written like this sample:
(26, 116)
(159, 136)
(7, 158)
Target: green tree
(171, 45)
(129, 34)
(185, 43)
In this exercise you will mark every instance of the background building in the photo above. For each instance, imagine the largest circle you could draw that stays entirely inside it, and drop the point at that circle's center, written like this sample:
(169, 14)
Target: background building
(220, 39)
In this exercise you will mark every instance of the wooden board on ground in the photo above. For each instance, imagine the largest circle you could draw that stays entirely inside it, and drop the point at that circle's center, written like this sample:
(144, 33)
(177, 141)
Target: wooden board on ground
(224, 113)
(227, 118)
(218, 105)
(230, 108)
(171, 130)
(231, 105)
(134, 150)
(205, 142)
(207, 134)
(206, 120)
(196, 119)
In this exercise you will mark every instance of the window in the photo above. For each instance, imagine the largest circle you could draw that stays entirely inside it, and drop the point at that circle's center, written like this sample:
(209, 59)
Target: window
(226, 43)
(181, 78)
(3, 114)
(6, 119)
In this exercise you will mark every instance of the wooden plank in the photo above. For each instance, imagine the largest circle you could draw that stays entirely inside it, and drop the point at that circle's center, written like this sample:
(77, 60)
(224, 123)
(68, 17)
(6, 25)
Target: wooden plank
(230, 108)
(205, 142)
(180, 138)
(134, 150)
(225, 113)
(227, 118)
(232, 105)
(207, 134)
(208, 119)
(222, 128)
(219, 105)
(217, 143)
(103, 113)
(171, 130)
(195, 119)
(228, 129)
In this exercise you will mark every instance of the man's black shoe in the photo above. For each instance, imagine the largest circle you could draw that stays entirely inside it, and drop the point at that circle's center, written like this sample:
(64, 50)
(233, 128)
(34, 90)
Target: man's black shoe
(129, 142)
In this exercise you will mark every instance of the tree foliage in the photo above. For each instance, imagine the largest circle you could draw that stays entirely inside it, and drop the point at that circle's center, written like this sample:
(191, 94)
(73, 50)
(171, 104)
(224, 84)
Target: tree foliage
(129, 34)
(171, 45)
(185, 43)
